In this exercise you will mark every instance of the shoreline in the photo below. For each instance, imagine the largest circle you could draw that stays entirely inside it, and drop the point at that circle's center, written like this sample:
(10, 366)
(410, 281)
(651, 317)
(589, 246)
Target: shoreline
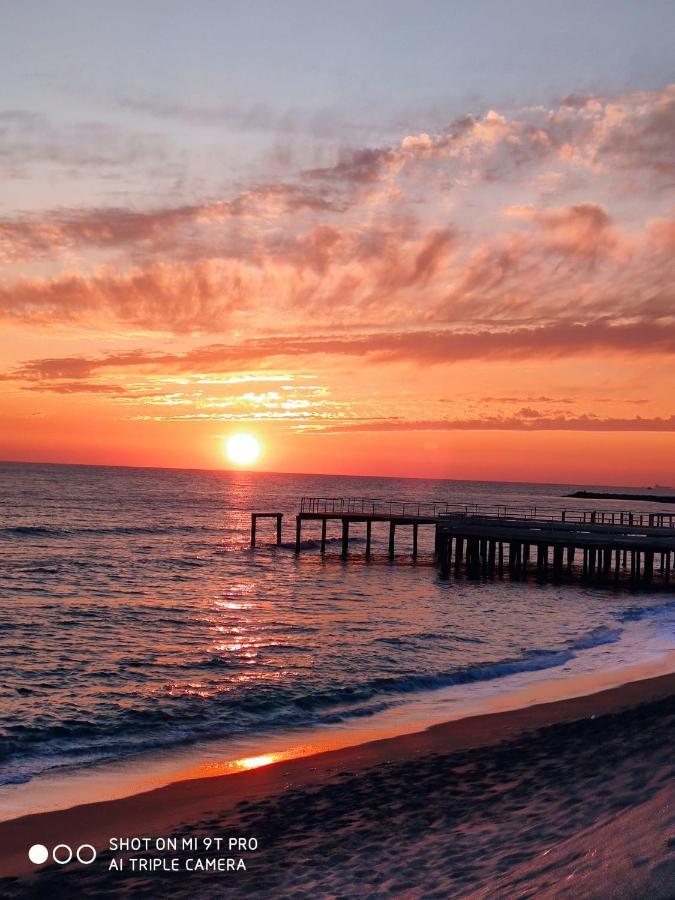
(165, 810)
(141, 774)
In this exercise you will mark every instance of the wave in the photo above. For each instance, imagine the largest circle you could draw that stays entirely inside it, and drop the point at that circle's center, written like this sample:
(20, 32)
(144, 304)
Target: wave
(27, 751)
(637, 613)
(53, 531)
(531, 661)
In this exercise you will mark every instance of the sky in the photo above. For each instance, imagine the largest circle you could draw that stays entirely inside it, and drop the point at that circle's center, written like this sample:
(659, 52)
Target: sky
(432, 239)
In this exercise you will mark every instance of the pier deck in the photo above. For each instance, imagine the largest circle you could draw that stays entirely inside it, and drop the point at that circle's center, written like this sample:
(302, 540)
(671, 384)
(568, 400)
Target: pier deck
(488, 539)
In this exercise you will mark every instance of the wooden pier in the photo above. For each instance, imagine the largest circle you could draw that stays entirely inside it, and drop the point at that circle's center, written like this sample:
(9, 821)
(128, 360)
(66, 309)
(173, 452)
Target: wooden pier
(605, 546)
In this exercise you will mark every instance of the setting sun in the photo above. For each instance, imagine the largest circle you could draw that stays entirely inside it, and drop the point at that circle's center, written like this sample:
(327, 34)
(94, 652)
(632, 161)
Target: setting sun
(242, 449)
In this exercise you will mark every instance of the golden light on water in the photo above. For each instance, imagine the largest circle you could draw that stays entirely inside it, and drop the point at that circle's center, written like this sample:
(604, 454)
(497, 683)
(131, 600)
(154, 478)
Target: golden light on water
(255, 762)
(242, 449)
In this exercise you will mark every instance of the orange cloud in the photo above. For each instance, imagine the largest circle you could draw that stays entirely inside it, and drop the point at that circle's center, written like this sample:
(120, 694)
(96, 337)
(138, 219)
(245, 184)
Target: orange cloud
(526, 420)
(583, 230)
(163, 296)
(448, 347)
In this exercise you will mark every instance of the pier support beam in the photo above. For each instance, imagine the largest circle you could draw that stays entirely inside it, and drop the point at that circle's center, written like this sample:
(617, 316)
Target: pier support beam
(444, 551)
(649, 566)
(369, 529)
(606, 563)
(414, 542)
(392, 538)
(459, 551)
(324, 524)
(473, 555)
(345, 537)
(298, 533)
(254, 524)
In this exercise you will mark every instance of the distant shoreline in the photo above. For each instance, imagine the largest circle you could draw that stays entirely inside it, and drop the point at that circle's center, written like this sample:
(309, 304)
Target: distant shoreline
(601, 495)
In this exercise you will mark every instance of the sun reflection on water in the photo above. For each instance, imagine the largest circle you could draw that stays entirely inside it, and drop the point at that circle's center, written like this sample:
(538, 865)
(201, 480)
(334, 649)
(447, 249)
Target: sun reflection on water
(255, 762)
(258, 761)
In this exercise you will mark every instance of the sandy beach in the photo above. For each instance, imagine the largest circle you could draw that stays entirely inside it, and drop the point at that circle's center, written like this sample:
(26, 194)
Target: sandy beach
(571, 798)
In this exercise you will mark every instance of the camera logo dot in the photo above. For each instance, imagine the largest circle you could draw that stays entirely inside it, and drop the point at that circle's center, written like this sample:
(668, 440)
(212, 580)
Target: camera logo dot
(86, 854)
(38, 854)
(62, 854)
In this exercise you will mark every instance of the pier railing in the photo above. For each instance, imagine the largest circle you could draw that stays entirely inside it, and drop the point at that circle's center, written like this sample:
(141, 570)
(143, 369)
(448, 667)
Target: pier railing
(435, 509)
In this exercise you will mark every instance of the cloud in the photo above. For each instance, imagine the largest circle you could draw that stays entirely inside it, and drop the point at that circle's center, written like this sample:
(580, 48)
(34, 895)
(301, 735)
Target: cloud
(28, 138)
(163, 296)
(396, 238)
(583, 230)
(326, 269)
(390, 273)
(247, 117)
(662, 235)
(635, 130)
(511, 423)
(638, 131)
(424, 348)
(362, 166)
(76, 387)
(540, 399)
(40, 235)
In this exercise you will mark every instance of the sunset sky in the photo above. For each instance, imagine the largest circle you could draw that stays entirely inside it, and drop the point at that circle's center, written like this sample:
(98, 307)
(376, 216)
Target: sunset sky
(385, 238)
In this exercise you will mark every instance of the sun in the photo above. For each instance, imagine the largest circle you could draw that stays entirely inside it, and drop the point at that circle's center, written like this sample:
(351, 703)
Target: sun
(242, 449)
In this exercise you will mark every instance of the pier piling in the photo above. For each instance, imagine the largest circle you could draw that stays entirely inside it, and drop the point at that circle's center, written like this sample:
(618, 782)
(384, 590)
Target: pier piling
(265, 515)
(345, 537)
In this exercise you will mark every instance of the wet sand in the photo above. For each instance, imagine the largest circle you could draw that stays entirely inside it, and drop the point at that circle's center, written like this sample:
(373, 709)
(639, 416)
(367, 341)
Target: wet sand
(566, 799)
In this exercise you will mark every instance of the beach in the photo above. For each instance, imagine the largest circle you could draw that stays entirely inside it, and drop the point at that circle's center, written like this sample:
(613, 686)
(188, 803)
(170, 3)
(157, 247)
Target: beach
(570, 798)
(207, 719)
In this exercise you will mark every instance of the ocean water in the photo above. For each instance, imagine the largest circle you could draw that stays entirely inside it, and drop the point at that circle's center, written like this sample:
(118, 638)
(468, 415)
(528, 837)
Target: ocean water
(135, 619)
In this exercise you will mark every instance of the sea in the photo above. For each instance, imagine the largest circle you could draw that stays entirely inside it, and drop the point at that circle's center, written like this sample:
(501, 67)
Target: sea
(139, 632)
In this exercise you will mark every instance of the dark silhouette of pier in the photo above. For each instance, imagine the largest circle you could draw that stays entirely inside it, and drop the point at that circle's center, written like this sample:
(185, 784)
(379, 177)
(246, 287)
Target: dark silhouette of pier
(604, 546)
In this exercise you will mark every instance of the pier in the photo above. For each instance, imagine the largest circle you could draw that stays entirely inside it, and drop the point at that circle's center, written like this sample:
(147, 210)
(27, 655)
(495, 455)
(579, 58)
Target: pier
(603, 546)
(265, 515)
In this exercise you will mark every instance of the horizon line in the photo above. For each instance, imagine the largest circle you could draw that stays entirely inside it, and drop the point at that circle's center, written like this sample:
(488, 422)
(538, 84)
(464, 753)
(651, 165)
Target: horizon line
(253, 471)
